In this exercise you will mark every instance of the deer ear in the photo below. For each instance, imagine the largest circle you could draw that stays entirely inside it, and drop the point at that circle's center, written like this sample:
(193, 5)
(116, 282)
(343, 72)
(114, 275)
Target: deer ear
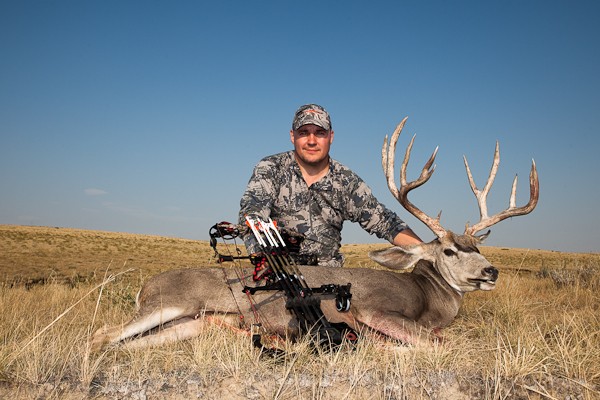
(397, 257)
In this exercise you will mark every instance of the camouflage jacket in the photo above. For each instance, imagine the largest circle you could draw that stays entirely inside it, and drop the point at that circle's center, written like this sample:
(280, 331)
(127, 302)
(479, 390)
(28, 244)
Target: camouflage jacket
(278, 190)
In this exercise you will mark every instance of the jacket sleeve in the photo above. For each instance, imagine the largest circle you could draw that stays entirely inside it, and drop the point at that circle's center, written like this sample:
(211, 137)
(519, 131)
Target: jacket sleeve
(258, 199)
(373, 216)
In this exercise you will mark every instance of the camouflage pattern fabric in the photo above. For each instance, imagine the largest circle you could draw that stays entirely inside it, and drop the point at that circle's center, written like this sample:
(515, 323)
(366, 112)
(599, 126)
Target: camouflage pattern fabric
(278, 190)
(311, 114)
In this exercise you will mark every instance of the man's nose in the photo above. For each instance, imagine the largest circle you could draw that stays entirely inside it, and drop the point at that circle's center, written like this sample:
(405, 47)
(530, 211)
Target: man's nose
(311, 137)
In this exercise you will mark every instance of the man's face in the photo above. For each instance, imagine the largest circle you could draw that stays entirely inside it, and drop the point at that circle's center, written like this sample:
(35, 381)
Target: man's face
(311, 144)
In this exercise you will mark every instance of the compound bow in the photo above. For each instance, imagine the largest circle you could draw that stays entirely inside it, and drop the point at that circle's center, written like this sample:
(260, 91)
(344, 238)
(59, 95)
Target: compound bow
(277, 264)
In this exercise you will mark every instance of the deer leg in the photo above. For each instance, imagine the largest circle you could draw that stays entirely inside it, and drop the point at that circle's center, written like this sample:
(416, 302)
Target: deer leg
(400, 328)
(103, 336)
(140, 324)
(183, 328)
(186, 328)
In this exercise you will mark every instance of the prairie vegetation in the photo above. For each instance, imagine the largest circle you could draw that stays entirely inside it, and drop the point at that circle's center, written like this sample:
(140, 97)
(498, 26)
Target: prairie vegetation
(537, 336)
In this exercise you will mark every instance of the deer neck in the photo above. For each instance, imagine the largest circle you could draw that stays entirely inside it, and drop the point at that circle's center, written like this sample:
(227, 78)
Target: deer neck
(436, 280)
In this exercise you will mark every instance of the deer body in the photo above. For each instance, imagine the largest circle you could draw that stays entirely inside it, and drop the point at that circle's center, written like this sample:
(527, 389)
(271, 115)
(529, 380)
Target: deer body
(406, 306)
(409, 306)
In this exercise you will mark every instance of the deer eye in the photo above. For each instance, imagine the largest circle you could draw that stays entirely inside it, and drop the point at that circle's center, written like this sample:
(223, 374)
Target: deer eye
(449, 252)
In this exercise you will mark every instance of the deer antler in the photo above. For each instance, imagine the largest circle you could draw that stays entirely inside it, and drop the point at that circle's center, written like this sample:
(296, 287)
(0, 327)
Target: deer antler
(512, 210)
(388, 152)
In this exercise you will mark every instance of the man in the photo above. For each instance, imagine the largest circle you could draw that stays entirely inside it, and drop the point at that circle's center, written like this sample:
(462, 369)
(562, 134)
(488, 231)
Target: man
(306, 191)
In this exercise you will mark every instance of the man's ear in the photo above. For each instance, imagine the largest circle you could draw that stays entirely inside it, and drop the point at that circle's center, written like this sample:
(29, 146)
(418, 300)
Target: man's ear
(331, 136)
(292, 136)
(397, 257)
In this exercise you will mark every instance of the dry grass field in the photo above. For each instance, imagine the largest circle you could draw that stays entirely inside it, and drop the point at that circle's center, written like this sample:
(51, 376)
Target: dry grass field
(537, 336)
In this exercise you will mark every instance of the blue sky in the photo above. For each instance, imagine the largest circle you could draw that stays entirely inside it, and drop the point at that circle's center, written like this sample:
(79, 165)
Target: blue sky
(148, 117)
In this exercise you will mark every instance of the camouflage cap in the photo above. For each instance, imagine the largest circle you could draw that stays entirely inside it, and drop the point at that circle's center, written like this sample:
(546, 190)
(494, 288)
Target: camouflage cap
(311, 114)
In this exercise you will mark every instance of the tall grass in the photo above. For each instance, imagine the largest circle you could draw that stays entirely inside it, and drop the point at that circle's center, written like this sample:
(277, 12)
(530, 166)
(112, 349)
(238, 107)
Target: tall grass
(536, 336)
(531, 337)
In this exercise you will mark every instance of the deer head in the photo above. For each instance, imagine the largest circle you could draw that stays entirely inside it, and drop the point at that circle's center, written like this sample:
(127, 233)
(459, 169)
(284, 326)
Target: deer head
(455, 257)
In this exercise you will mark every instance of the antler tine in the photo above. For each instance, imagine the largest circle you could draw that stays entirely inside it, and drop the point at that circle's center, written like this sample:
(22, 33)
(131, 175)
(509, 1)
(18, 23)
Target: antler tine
(512, 210)
(388, 154)
(481, 195)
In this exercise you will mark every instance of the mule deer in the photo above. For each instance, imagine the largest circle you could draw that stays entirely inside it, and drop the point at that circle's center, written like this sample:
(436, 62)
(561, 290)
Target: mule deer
(406, 306)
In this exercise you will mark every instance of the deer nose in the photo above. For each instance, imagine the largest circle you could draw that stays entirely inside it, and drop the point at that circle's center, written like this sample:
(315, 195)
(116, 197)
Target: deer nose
(492, 271)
